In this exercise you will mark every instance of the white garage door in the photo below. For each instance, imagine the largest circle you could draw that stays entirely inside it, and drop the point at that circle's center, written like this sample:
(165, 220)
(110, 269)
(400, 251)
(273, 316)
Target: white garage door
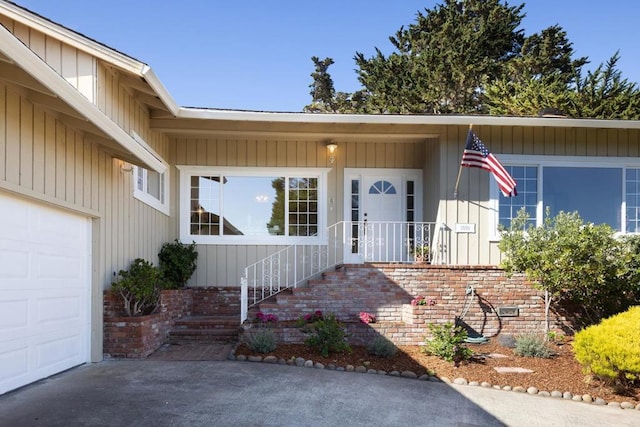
(44, 291)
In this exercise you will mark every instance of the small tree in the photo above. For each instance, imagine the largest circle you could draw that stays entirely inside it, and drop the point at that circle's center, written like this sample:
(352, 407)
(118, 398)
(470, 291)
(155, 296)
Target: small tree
(569, 259)
(139, 287)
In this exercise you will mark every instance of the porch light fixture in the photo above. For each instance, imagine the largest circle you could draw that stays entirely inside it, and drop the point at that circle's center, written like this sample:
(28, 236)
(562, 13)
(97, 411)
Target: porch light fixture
(125, 167)
(332, 147)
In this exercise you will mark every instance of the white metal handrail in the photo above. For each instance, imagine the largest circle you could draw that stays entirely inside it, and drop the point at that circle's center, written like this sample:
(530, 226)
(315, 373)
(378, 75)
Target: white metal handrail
(346, 241)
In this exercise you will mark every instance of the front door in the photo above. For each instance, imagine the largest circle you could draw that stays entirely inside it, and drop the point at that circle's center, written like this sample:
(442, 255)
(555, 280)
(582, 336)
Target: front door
(382, 215)
(378, 204)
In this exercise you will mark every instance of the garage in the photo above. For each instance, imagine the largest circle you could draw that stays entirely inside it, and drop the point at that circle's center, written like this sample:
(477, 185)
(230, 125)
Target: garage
(45, 291)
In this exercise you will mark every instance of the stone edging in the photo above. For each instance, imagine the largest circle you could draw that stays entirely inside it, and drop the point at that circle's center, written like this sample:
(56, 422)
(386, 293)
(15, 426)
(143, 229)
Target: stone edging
(301, 362)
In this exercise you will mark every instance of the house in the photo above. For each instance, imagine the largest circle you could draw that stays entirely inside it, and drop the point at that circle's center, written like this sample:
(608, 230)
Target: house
(98, 166)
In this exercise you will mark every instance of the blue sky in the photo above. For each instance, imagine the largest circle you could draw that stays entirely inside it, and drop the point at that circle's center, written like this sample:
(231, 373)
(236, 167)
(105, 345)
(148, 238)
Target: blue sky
(256, 54)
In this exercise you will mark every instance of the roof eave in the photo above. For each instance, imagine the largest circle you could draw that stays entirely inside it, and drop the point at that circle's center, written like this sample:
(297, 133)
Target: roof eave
(461, 120)
(91, 47)
(22, 56)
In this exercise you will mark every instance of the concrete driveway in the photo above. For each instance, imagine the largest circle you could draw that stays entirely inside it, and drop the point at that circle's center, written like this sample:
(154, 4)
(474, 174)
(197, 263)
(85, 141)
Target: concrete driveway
(230, 393)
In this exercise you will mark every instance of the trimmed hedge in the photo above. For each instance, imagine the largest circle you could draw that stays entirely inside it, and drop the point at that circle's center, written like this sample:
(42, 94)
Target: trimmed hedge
(611, 349)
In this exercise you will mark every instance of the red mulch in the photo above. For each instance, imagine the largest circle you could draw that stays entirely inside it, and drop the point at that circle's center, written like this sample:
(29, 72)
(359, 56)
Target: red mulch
(561, 372)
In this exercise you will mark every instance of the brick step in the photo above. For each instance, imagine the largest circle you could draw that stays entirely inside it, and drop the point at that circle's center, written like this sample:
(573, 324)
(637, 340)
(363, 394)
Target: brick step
(218, 311)
(204, 334)
(207, 322)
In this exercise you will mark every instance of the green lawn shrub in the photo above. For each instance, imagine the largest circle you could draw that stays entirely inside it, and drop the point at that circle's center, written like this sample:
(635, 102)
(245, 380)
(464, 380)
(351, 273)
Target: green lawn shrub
(326, 335)
(610, 350)
(262, 340)
(447, 342)
(177, 263)
(382, 347)
(532, 346)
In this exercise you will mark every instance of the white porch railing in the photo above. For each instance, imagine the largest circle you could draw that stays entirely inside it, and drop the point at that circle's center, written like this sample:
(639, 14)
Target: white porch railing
(347, 242)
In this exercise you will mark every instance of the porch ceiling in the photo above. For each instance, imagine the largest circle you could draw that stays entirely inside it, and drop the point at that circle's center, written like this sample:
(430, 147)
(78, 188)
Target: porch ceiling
(181, 127)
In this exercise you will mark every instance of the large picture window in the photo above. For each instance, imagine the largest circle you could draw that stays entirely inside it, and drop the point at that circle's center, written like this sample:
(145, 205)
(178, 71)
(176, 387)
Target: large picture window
(239, 205)
(601, 190)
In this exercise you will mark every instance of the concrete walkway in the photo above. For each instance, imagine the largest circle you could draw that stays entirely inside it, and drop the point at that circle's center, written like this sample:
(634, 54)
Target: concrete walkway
(229, 393)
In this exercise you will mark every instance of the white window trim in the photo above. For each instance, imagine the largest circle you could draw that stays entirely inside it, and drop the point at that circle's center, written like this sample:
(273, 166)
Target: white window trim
(143, 196)
(414, 175)
(148, 199)
(553, 161)
(187, 171)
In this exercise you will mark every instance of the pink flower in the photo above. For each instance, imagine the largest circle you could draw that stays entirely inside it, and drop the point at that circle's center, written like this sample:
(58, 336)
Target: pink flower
(367, 317)
(271, 318)
(420, 300)
(265, 318)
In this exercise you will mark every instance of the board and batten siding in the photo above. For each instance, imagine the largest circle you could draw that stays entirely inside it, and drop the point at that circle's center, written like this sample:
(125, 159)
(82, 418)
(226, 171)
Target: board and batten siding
(223, 265)
(75, 66)
(47, 160)
(471, 205)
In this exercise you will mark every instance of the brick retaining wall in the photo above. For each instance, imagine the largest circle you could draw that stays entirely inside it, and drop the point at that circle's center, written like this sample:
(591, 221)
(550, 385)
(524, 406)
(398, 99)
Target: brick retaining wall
(138, 337)
(386, 291)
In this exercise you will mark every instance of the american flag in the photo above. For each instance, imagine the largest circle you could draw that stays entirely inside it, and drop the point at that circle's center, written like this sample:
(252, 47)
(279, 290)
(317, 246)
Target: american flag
(477, 155)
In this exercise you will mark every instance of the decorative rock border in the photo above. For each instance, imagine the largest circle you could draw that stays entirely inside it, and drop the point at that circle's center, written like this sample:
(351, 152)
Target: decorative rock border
(302, 363)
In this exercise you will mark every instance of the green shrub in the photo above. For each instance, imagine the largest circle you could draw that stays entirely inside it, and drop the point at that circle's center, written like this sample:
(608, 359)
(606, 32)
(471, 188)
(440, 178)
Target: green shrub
(262, 340)
(611, 349)
(447, 342)
(177, 262)
(532, 346)
(309, 318)
(382, 347)
(139, 287)
(327, 335)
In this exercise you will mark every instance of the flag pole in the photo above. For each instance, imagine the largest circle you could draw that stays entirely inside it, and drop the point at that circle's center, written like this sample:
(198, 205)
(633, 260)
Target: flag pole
(455, 191)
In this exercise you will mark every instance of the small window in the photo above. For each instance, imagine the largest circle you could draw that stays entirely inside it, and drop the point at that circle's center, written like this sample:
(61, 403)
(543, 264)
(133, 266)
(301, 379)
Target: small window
(382, 187)
(150, 187)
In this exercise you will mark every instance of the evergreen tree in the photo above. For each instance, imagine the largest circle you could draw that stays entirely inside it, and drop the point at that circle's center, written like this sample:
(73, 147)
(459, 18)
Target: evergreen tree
(444, 59)
(540, 77)
(470, 57)
(605, 94)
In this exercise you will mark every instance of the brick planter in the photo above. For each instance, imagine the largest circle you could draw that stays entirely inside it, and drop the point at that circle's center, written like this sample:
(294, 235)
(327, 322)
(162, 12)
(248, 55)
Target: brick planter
(138, 337)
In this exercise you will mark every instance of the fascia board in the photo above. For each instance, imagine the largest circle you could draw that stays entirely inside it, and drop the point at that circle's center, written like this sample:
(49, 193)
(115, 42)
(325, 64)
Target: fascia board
(206, 114)
(160, 89)
(91, 47)
(71, 38)
(41, 71)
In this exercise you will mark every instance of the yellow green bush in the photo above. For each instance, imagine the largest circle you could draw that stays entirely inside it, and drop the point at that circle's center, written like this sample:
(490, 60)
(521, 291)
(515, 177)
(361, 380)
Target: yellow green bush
(611, 349)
